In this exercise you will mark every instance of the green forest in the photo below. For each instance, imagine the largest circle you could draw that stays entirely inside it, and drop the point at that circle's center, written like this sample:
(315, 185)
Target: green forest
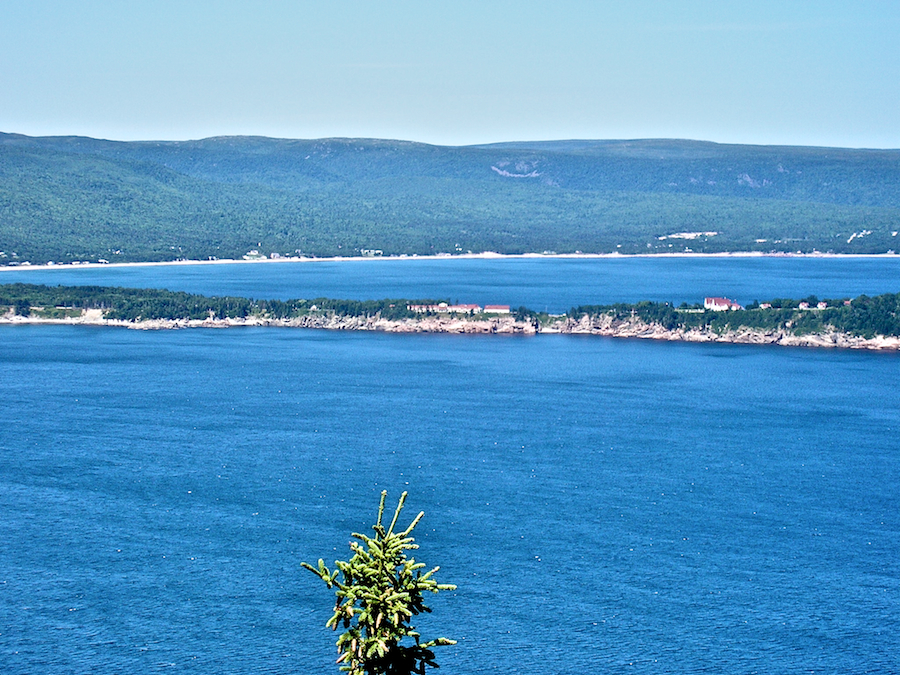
(74, 199)
(138, 304)
(862, 316)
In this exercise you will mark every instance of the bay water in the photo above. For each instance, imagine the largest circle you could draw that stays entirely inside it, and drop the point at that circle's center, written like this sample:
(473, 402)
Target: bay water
(602, 505)
(541, 284)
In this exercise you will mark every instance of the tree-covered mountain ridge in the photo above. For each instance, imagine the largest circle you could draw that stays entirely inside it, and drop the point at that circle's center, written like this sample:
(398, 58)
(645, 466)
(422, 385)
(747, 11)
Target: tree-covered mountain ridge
(75, 198)
(861, 323)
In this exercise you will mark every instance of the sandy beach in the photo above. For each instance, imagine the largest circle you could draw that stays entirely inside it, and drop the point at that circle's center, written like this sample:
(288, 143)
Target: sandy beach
(463, 256)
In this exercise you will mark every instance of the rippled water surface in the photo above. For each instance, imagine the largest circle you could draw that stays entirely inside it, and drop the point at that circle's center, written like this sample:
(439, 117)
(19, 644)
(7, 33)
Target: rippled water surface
(603, 505)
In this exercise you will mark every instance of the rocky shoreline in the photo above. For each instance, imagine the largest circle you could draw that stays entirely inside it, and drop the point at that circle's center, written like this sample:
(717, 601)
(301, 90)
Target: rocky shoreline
(602, 325)
(634, 328)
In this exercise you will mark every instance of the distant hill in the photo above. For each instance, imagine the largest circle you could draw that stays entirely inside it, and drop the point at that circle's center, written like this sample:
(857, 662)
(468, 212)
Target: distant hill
(75, 198)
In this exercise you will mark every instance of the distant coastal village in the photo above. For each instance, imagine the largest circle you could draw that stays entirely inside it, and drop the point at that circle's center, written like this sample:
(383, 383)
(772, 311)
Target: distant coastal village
(724, 305)
(859, 323)
(712, 304)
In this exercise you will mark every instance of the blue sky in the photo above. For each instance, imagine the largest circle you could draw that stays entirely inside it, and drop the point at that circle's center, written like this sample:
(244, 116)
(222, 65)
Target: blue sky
(454, 73)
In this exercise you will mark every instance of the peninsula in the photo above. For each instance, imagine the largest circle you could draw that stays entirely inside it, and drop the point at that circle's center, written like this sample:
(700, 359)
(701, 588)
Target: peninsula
(859, 323)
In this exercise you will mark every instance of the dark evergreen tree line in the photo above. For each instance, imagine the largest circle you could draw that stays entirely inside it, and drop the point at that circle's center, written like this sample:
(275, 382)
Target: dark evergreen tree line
(864, 316)
(132, 304)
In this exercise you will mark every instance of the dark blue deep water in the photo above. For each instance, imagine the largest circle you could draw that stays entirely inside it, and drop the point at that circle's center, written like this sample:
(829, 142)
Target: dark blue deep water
(603, 505)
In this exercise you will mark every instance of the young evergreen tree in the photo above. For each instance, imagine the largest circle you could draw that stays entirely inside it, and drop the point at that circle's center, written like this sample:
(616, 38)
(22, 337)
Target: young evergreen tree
(379, 590)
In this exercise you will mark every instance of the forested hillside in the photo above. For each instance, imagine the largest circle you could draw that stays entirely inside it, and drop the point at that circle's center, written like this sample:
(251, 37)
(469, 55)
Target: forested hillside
(71, 198)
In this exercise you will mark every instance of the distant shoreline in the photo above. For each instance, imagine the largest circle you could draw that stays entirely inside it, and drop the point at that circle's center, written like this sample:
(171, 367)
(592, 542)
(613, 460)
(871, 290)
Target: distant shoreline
(462, 256)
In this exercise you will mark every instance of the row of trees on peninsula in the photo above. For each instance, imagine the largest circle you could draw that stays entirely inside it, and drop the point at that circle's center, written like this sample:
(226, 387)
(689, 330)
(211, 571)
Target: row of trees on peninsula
(863, 316)
(136, 304)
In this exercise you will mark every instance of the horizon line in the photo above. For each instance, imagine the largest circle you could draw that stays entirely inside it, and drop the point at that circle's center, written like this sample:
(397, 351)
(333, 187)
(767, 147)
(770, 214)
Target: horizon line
(637, 139)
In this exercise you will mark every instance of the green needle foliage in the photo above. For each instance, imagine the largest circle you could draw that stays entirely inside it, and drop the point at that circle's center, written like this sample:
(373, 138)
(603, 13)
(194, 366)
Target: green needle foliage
(379, 592)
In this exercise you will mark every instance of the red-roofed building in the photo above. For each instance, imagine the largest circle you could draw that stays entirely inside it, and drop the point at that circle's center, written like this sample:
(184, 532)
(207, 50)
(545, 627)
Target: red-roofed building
(720, 304)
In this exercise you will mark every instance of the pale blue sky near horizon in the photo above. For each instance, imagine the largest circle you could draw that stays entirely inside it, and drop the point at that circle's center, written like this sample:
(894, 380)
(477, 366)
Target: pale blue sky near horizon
(785, 72)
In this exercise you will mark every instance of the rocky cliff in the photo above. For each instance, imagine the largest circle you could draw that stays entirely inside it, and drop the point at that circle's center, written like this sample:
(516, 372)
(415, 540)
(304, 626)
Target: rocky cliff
(602, 325)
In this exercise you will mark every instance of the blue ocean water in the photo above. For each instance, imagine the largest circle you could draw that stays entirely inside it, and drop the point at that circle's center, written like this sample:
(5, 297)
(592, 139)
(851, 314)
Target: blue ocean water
(541, 284)
(603, 505)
